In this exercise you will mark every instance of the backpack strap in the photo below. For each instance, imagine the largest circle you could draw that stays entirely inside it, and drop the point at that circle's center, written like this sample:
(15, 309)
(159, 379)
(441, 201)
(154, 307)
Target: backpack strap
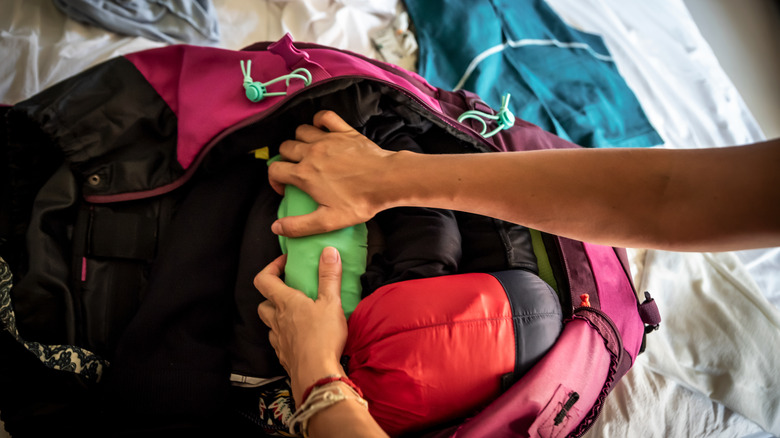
(649, 313)
(578, 272)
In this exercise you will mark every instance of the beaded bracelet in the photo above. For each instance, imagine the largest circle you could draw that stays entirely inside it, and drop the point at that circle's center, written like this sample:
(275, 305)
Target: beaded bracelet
(330, 379)
(321, 397)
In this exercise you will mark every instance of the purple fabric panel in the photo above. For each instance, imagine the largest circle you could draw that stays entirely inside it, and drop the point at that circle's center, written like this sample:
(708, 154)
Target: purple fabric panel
(579, 272)
(524, 136)
(618, 299)
(203, 85)
(528, 138)
(532, 403)
(623, 257)
(622, 368)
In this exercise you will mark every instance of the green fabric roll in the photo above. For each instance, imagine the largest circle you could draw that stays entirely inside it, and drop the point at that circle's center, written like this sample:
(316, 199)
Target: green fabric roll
(542, 260)
(303, 253)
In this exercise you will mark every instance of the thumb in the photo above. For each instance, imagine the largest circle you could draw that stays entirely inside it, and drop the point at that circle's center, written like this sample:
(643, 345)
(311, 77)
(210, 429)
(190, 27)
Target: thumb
(330, 274)
(316, 222)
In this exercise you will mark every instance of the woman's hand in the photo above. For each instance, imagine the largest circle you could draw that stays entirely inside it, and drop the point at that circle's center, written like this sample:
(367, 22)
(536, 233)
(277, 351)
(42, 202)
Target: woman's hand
(339, 168)
(307, 335)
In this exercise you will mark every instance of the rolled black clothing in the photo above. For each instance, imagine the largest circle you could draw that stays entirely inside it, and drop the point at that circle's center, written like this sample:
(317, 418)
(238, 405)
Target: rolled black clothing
(494, 245)
(418, 243)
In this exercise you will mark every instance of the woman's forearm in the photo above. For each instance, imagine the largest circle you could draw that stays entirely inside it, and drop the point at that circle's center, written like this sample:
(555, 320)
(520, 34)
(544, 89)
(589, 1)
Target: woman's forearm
(694, 200)
(698, 199)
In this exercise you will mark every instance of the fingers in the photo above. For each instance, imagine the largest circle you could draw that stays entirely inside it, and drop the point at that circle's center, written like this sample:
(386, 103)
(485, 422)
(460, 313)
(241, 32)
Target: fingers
(266, 312)
(295, 150)
(273, 339)
(317, 222)
(279, 175)
(308, 133)
(268, 281)
(329, 274)
(331, 121)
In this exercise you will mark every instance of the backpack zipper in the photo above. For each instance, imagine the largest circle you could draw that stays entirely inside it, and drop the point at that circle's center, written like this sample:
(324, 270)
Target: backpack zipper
(605, 317)
(591, 417)
(468, 133)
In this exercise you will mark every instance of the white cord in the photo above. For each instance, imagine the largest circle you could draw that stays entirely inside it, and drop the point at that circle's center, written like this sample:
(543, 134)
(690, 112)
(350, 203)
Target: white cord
(320, 398)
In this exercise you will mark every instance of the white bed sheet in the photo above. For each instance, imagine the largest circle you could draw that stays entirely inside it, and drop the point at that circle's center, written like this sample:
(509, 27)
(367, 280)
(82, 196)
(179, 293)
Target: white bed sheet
(711, 366)
(704, 374)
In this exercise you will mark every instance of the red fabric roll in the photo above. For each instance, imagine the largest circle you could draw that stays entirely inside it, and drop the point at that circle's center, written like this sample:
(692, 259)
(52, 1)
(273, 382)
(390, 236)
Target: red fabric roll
(426, 351)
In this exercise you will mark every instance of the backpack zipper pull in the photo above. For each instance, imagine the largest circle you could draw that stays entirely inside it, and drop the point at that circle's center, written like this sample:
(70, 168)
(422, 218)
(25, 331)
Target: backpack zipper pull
(257, 91)
(504, 117)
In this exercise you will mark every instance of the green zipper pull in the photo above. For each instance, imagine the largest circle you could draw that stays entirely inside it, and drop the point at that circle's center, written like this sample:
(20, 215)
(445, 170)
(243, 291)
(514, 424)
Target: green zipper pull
(504, 117)
(257, 91)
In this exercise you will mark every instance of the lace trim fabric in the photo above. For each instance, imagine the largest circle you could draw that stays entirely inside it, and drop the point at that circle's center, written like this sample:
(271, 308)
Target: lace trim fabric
(59, 357)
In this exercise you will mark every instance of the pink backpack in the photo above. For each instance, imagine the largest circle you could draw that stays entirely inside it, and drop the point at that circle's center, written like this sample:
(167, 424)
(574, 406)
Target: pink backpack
(432, 350)
(126, 135)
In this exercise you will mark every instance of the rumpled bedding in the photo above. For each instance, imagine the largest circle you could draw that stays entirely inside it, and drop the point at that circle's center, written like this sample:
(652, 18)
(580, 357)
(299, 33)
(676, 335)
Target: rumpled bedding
(168, 21)
(711, 369)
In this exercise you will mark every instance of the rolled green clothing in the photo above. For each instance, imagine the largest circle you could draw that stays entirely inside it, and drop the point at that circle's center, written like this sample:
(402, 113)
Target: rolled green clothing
(303, 253)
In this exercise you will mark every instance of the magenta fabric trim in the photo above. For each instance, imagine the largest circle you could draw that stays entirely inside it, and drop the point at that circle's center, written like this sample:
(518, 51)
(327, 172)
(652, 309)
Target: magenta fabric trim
(618, 299)
(529, 405)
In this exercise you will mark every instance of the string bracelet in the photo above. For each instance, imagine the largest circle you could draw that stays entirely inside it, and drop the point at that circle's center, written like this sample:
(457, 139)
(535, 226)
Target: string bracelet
(330, 379)
(320, 398)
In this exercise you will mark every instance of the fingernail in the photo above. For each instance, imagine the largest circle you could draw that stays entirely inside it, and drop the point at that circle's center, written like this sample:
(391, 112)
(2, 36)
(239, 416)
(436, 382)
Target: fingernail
(276, 228)
(330, 255)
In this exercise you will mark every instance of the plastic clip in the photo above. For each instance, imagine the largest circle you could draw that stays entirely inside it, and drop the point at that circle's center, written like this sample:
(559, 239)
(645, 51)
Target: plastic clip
(257, 91)
(504, 117)
(648, 312)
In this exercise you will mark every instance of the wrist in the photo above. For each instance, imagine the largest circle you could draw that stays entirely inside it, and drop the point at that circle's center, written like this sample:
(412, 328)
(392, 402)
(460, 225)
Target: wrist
(423, 180)
(323, 396)
(309, 374)
(331, 380)
(399, 183)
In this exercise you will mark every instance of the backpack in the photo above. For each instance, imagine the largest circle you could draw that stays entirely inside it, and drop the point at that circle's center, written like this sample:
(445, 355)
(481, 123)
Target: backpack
(132, 224)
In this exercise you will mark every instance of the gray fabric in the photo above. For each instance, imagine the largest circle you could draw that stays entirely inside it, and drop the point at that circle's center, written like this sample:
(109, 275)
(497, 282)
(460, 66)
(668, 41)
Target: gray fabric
(169, 21)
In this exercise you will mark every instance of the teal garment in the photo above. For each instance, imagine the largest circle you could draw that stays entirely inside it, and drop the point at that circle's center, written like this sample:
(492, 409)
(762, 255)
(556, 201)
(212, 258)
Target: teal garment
(560, 79)
(303, 253)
